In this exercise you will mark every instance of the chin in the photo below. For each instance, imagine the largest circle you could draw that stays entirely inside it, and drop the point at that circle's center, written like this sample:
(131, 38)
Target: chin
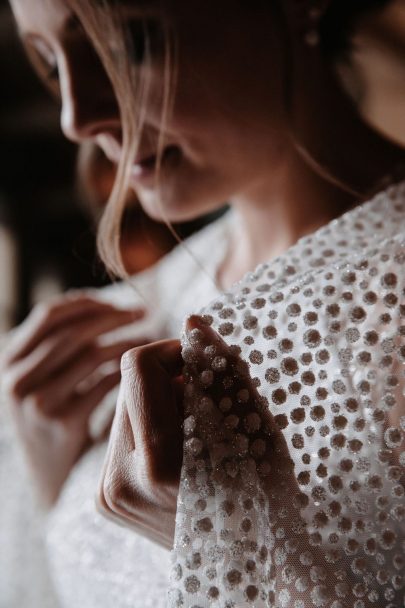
(165, 208)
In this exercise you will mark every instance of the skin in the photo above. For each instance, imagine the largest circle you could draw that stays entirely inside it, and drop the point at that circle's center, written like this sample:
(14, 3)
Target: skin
(232, 146)
(50, 371)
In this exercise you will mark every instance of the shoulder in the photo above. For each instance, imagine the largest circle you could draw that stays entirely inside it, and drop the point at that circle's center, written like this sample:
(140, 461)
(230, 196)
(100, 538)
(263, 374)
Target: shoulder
(191, 258)
(321, 330)
(340, 263)
(335, 302)
(330, 312)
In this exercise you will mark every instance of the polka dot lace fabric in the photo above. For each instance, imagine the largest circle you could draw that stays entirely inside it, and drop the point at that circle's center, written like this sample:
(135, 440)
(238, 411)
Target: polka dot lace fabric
(292, 488)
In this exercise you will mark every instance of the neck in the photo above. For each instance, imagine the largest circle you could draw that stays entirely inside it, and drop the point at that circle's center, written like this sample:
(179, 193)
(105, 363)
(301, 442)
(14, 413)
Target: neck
(294, 199)
(269, 218)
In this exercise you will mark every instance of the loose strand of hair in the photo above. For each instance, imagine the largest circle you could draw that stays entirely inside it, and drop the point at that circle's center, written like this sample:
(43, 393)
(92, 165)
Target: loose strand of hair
(169, 88)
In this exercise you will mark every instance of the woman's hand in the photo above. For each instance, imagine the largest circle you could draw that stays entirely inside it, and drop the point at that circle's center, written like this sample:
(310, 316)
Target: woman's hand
(140, 480)
(51, 375)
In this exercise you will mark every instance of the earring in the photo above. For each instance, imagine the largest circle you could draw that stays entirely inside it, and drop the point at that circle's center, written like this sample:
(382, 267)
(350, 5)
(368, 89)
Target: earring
(311, 37)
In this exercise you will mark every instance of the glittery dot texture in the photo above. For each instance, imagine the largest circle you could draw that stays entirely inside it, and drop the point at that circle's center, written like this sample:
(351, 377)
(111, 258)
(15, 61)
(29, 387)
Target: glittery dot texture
(292, 488)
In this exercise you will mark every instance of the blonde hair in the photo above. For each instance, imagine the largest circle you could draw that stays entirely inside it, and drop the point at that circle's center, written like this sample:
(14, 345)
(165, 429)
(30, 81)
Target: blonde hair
(104, 24)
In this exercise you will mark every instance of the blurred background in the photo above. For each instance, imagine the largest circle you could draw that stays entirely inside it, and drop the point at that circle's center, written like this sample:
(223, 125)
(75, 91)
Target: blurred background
(47, 223)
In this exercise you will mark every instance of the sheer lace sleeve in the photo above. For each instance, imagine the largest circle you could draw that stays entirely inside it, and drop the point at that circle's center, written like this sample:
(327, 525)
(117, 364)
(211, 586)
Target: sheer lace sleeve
(292, 489)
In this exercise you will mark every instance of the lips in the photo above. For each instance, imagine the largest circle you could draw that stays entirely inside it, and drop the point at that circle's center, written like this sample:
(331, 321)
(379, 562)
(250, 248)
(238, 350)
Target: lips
(146, 167)
(146, 164)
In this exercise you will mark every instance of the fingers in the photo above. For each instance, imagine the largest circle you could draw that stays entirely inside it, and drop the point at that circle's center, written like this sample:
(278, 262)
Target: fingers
(55, 445)
(44, 319)
(78, 378)
(122, 435)
(58, 350)
(87, 402)
(77, 409)
(121, 496)
(118, 466)
(140, 479)
(73, 378)
(150, 394)
(48, 317)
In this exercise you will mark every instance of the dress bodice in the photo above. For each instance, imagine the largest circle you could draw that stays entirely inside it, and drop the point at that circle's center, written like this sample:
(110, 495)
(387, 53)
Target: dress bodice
(319, 333)
(292, 488)
(93, 562)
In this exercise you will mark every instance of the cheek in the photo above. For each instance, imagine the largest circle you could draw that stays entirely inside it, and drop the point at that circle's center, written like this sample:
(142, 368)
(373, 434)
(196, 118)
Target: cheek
(231, 107)
(186, 193)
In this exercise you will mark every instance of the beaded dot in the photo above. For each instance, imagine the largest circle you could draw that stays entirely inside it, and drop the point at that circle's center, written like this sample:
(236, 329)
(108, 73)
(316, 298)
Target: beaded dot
(192, 584)
(207, 377)
(320, 332)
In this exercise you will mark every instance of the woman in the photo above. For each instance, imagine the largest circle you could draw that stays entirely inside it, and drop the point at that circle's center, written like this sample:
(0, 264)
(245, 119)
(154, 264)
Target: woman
(250, 528)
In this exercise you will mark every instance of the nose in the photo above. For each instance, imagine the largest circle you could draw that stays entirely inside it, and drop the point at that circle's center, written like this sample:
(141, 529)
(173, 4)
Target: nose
(89, 106)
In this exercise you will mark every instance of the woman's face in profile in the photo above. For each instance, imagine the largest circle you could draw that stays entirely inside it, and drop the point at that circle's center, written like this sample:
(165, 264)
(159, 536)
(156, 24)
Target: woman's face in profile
(227, 124)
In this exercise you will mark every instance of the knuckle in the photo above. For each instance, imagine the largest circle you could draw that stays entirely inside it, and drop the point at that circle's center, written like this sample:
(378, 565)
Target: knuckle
(132, 359)
(116, 491)
(105, 493)
(103, 498)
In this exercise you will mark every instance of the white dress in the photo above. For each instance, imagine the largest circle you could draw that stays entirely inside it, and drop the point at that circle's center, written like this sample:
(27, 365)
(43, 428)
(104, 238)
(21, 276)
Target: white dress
(292, 491)
(94, 563)
(317, 369)
(86, 561)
